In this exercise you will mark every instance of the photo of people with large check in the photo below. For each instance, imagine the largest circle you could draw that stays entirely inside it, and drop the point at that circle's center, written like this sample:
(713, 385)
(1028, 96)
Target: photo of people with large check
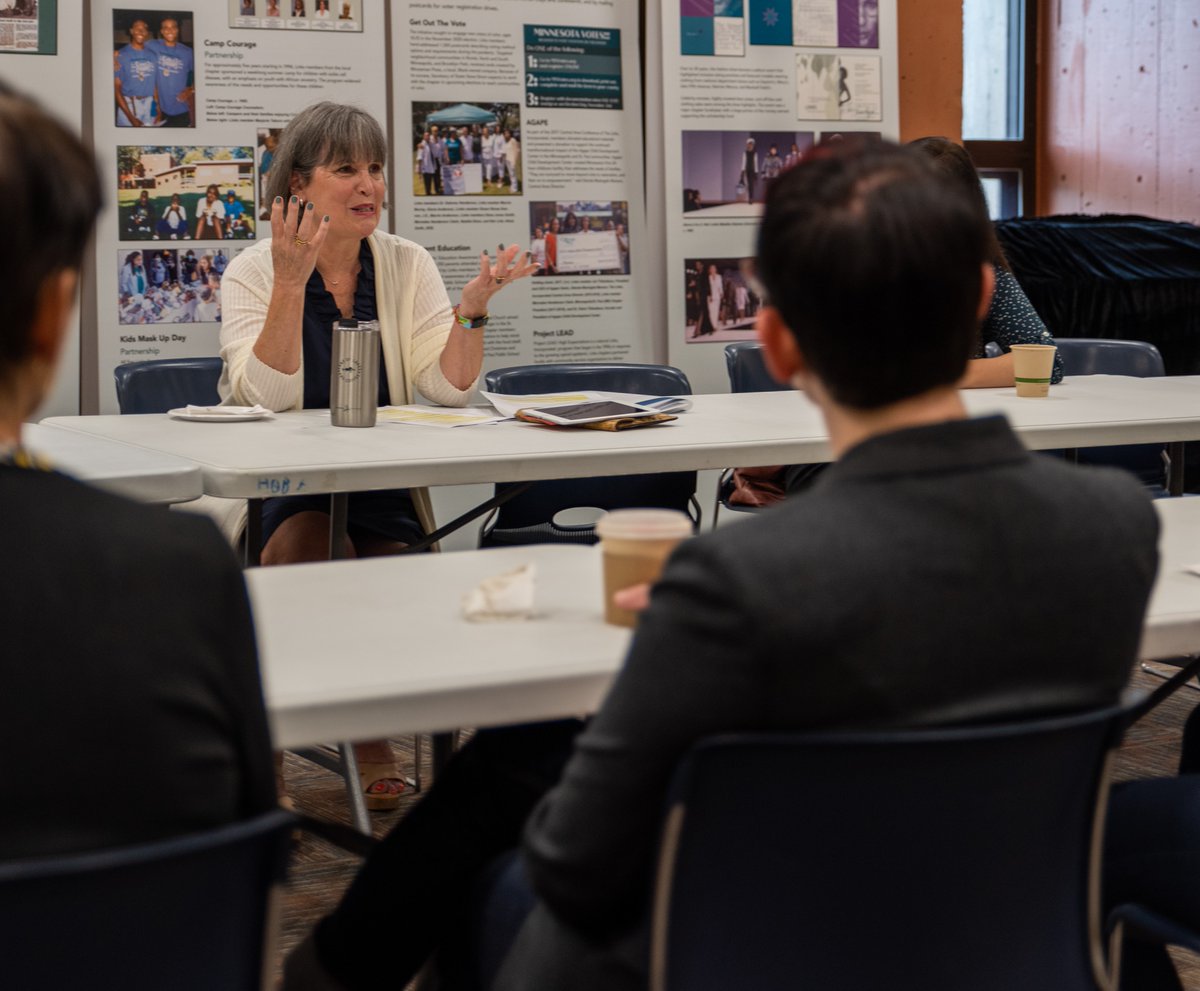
(580, 237)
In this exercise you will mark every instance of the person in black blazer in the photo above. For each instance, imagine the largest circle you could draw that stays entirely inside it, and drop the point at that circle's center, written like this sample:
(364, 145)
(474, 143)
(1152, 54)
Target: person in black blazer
(937, 573)
(131, 707)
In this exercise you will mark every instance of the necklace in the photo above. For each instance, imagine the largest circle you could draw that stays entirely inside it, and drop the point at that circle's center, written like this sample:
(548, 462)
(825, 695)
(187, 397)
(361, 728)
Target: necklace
(19, 457)
(337, 282)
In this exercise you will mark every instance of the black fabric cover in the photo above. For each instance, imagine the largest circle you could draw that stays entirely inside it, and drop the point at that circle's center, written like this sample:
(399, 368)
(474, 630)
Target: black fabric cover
(1112, 276)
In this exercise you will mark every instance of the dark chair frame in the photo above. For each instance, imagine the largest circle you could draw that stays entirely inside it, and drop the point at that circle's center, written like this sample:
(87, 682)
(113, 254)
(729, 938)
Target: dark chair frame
(865, 859)
(191, 913)
(764, 834)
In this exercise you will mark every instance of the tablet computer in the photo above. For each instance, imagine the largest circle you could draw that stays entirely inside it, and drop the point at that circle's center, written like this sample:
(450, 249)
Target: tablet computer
(591, 412)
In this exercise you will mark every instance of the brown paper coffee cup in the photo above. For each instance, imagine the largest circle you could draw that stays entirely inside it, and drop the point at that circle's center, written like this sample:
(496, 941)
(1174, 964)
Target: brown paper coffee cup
(1033, 365)
(635, 544)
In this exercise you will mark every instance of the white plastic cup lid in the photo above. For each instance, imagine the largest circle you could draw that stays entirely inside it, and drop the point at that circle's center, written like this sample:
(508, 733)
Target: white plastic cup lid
(644, 524)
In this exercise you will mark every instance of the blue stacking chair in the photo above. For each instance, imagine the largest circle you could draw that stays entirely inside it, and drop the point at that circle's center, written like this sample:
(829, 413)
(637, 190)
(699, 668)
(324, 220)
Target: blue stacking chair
(913, 860)
(529, 518)
(166, 384)
(1102, 356)
(747, 370)
(159, 386)
(187, 913)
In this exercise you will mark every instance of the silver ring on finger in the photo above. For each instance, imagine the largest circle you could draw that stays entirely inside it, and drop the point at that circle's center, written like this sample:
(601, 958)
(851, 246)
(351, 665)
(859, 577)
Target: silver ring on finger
(499, 279)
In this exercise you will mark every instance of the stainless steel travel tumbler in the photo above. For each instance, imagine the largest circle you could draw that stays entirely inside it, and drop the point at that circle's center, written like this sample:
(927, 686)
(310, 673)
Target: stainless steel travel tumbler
(354, 376)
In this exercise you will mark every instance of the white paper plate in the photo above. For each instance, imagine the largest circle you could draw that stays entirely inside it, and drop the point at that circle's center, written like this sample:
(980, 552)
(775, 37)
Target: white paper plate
(183, 414)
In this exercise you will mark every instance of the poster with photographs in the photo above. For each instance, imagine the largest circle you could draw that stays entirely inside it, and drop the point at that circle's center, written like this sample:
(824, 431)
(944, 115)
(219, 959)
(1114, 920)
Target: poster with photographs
(466, 149)
(726, 173)
(154, 68)
(520, 123)
(264, 156)
(188, 109)
(29, 27)
(835, 23)
(296, 15)
(712, 27)
(580, 237)
(185, 193)
(811, 71)
(170, 285)
(838, 87)
(814, 23)
(41, 56)
(720, 302)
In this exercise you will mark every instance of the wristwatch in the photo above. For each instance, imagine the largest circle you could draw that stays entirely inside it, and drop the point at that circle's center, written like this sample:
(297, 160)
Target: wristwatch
(475, 323)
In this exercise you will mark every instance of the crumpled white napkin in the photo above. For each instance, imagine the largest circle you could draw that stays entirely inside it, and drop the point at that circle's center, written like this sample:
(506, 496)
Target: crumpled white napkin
(506, 596)
(226, 410)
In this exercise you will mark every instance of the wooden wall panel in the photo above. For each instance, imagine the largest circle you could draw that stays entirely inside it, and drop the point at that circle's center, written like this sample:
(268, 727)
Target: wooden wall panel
(1179, 141)
(1121, 108)
(929, 38)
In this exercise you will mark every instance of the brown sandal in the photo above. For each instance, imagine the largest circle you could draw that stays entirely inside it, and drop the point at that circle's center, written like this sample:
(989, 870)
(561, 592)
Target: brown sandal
(382, 786)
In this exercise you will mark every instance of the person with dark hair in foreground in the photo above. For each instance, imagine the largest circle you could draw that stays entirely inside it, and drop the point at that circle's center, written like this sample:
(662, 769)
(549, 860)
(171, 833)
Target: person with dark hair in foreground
(132, 708)
(869, 600)
(1010, 319)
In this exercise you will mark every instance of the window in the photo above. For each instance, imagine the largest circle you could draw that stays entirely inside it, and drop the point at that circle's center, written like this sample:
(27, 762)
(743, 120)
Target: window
(999, 100)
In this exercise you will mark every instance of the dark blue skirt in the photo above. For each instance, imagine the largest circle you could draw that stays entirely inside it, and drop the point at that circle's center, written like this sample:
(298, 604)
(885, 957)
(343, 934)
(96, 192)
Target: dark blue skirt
(389, 513)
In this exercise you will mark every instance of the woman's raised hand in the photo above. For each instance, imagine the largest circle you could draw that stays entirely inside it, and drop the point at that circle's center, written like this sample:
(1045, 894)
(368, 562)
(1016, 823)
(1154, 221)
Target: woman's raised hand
(295, 241)
(511, 264)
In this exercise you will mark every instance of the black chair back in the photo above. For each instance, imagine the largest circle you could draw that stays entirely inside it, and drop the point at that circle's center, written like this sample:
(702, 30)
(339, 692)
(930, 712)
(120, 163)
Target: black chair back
(1102, 356)
(653, 380)
(159, 386)
(187, 913)
(747, 371)
(529, 517)
(913, 860)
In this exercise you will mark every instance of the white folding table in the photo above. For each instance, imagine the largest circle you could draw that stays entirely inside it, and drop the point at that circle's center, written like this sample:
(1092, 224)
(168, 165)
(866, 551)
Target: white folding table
(139, 473)
(380, 647)
(1099, 411)
(300, 451)
(1173, 617)
(377, 647)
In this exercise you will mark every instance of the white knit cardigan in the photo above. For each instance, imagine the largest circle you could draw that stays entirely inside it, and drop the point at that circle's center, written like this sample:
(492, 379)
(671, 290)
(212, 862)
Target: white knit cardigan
(415, 319)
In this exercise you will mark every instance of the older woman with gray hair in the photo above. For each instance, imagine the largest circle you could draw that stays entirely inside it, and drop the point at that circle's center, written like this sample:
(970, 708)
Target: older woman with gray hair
(326, 260)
